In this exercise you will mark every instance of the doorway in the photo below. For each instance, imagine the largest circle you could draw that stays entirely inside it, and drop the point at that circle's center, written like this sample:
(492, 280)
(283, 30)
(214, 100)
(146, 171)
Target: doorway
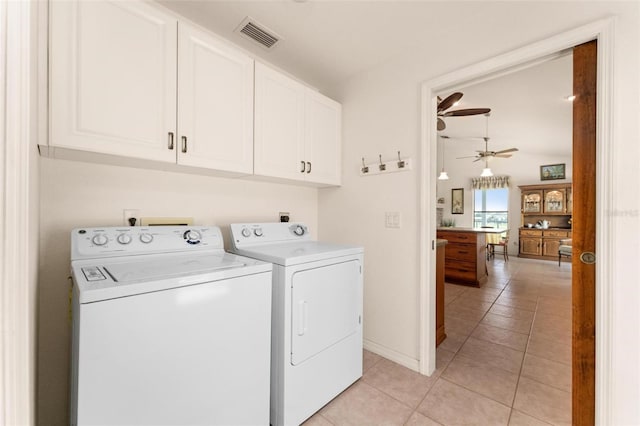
(490, 69)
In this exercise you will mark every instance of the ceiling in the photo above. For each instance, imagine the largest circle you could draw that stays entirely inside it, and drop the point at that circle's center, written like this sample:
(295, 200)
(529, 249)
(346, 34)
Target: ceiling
(528, 111)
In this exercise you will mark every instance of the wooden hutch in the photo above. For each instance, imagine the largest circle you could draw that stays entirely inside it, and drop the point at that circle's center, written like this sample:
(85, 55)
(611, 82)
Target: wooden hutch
(550, 202)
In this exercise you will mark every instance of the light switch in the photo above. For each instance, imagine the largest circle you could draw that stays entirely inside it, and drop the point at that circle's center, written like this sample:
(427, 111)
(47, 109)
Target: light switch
(392, 219)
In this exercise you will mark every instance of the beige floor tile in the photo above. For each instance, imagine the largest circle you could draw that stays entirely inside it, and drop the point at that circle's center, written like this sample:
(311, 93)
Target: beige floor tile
(317, 420)
(517, 302)
(453, 342)
(482, 296)
(521, 294)
(556, 332)
(494, 383)
(451, 404)
(453, 289)
(418, 419)
(498, 283)
(520, 419)
(470, 303)
(407, 386)
(369, 359)
(362, 404)
(549, 372)
(513, 324)
(544, 402)
(463, 312)
(508, 311)
(492, 354)
(549, 349)
(511, 339)
(458, 326)
(443, 358)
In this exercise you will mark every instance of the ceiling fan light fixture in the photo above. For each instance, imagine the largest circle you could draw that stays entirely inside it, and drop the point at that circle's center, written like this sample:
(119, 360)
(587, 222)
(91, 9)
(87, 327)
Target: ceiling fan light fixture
(486, 172)
(443, 175)
(570, 98)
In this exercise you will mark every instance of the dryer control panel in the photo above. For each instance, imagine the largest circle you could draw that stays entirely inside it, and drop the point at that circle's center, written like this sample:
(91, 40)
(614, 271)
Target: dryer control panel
(252, 234)
(87, 243)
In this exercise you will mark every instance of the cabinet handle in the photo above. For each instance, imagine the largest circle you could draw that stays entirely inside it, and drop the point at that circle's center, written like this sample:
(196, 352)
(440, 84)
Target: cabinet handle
(302, 163)
(309, 164)
(170, 143)
(184, 144)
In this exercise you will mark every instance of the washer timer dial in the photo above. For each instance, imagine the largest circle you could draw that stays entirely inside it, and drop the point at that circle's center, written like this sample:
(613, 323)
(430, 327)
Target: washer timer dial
(192, 237)
(298, 230)
(246, 232)
(100, 239)
(124, 238)
(146, 238)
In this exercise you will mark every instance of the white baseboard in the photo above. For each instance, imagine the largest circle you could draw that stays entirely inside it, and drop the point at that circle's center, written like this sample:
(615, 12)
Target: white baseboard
(392, 355)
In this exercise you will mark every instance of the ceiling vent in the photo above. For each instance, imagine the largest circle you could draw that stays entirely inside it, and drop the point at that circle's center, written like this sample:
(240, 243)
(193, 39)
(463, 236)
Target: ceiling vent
(257, 32)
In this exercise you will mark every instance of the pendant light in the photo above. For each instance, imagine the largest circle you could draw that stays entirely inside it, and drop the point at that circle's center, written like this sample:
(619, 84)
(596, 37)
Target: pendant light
(443, 174)
(486, 172)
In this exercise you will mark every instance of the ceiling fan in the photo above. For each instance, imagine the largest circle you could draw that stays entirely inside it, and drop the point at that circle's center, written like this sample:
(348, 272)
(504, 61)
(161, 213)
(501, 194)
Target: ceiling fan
(448, 102)
(486, 153)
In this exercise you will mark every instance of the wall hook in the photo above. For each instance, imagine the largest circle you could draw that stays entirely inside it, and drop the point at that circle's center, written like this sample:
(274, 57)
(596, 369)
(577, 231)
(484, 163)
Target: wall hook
(381, 166)
(400, 162)
(364, 168)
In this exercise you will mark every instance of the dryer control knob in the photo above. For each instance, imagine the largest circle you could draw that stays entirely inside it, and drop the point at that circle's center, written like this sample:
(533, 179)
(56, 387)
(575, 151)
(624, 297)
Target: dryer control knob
(246, 232)
(124, 238)
(146, 238)
(257, 232)
(100, 239)
(192, 237)
(298, 230)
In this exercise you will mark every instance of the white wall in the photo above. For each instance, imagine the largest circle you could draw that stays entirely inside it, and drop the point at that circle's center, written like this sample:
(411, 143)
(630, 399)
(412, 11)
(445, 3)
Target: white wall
(76, 194)
(381, 115)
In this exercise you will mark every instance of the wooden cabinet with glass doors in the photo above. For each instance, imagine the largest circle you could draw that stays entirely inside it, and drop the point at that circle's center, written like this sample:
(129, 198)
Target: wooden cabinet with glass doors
(548, 205)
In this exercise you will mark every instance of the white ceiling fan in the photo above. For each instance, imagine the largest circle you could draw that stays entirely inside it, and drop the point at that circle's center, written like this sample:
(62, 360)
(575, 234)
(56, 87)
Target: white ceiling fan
(486, 153)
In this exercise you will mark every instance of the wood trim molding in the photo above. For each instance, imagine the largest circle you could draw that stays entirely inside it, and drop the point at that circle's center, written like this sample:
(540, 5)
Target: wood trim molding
(18, 215)
(603, 31)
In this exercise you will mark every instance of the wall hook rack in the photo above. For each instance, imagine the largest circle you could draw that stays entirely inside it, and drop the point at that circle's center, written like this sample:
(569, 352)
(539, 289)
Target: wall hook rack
(382, 167)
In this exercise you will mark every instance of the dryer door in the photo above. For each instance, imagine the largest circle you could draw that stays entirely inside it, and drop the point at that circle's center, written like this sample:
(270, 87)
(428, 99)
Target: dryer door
(326, 307)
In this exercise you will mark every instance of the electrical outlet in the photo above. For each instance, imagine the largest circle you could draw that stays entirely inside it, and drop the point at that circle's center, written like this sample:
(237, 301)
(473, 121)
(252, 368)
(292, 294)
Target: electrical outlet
(284, 216)
(130, 214)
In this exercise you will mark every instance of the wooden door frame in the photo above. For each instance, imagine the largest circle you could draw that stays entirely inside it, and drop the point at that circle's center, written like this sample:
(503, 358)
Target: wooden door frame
(537, 52)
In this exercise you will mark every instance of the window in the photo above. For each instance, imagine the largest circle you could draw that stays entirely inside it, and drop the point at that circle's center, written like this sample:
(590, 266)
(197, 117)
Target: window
(491, 208)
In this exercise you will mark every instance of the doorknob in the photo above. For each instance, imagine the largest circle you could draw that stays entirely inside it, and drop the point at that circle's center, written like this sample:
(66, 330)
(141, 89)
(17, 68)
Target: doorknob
(588, 258)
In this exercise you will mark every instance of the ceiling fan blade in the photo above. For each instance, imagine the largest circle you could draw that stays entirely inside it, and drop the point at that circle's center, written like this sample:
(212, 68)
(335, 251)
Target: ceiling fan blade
(479, 158)
(449, 101)
(504, 151)
(441, 125)
(439, 99)
(465, 112)
(470, 156)
(503, 155)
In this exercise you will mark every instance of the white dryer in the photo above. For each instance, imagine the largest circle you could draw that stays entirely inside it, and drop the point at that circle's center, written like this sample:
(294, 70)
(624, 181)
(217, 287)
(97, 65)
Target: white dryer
(316, 333)
(168, 329)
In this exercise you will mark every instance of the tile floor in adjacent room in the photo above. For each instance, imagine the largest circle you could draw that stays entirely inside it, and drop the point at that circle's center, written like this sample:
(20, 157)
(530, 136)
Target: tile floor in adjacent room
(506, 359)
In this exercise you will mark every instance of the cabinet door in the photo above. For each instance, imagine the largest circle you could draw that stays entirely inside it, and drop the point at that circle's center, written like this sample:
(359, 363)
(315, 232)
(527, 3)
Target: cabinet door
(550, 247)
(554, 201)
(279, 125)
(531, 246)
(215, 103)
(113, 78)
(532, 202)
(323, 118)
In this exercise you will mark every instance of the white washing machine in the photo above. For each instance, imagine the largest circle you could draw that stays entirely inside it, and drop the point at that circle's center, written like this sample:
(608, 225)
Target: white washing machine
(316, 349)
(168, 329)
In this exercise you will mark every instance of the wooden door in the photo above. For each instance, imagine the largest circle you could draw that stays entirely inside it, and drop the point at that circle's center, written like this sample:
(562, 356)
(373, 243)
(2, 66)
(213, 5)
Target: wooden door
(113, 78)
(215, 103)
(279, 125)
(322, 148)
(584, 227)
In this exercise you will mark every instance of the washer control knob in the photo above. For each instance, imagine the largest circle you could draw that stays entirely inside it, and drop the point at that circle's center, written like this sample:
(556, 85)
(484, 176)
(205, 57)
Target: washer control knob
(124, 238)
(192, 237)
(100, 239)
(246, 232)
(298, 230)
(146, 238)
(257, 232)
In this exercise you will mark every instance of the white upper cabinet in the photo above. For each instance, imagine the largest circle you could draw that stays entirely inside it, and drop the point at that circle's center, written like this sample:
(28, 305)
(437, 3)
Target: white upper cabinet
(297, 131)
(113, 78)
(279, 125)
(215, 103)
(323, 119)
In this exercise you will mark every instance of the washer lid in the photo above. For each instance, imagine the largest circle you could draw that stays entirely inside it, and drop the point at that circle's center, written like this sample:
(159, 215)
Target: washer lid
(103, 279)
(288, 254)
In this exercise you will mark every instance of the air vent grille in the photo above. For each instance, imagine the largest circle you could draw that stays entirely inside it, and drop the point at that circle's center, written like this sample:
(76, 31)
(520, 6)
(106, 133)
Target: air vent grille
(258, 33)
